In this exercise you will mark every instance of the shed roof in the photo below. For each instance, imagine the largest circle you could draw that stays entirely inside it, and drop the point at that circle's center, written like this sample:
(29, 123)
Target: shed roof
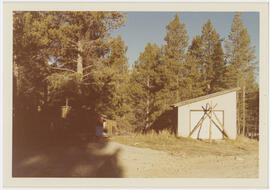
(204, 97)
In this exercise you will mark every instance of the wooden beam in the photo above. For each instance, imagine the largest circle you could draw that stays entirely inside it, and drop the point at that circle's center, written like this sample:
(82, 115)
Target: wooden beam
(210, 127)
(197, 125)
(219, 122)
(199, 131)
(216, 125)
(201, 120)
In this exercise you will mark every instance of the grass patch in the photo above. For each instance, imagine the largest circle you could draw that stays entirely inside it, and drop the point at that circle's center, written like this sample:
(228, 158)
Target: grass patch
(168, 142)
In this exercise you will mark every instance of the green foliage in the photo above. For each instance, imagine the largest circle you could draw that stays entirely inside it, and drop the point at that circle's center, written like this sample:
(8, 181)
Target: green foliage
(59, 56)
(174, 59)
(118, 108)
(241, 73)
(30, 53)
(144, 87)
(240, 53)
(176, 39)
(63, 86)
(212, 61)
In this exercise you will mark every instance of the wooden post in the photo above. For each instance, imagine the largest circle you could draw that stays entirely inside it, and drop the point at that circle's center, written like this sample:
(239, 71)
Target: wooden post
(197, 125)
(210, 127)
(224, 132)
(201, 120)
(198, 135)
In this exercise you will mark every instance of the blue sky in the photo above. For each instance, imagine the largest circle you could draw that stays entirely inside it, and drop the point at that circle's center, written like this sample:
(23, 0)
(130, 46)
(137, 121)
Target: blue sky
(144, 27)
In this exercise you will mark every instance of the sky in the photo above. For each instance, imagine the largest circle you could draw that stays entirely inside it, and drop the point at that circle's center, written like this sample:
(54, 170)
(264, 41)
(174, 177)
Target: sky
(144, 27)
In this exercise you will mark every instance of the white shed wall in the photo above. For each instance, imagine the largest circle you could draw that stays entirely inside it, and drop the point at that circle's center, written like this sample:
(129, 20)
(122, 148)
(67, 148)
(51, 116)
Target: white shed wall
(226, 102)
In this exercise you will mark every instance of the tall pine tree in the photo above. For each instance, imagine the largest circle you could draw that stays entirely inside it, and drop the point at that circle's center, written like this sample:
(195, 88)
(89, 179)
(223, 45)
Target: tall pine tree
(212, 59)
(241, 66)
(143, 87)
(174, 59)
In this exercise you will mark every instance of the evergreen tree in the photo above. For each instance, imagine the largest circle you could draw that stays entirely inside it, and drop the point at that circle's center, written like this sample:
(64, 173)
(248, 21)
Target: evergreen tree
(31, 49)
(206, 57)
(60, 49)
(241, 66)
(219, 67)
(143, 87)
(118, 107)
(84, 45)
(84, 38)
(212, 59)
(195, 60)
(174, 59)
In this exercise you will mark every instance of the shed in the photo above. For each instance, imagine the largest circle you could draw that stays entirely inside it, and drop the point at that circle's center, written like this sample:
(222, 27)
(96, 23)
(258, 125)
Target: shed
(208, 117)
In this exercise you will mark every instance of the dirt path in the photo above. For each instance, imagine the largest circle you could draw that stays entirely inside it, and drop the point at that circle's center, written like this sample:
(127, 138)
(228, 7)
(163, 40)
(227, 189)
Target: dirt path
(112, 159)
(143, 163)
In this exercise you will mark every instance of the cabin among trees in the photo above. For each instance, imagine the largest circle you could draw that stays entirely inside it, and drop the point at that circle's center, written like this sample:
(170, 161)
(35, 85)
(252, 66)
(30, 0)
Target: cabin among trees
(212, 116)
(72, 55)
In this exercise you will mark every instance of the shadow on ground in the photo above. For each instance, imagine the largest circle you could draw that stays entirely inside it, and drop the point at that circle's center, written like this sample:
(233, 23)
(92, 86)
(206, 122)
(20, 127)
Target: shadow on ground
(37, 153)
(80, 157)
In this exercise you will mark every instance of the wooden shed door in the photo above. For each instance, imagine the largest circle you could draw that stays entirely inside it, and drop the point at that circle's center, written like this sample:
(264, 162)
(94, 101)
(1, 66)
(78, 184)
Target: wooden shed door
(203, 132)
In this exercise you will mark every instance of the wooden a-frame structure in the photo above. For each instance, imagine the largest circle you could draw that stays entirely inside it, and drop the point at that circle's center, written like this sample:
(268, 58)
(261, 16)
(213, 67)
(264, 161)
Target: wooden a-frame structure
(208, 113)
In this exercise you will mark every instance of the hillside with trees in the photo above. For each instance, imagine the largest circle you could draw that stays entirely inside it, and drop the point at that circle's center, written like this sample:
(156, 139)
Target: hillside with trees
(70, 58)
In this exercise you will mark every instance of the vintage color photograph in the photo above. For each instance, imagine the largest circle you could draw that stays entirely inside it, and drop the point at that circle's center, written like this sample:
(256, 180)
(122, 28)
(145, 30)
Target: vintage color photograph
(122, 94)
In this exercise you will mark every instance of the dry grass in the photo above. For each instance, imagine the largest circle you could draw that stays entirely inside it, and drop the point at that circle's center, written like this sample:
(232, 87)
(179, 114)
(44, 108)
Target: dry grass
(166, 141)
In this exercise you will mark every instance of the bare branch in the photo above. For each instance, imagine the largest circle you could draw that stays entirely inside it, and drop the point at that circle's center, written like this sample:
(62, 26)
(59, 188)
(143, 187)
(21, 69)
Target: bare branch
(63, 69)
(87, 75)
(88, 67)
(87, 83)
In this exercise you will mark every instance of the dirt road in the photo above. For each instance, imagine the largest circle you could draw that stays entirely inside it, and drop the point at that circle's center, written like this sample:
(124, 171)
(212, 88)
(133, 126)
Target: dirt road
(112, 159)
(143, 162)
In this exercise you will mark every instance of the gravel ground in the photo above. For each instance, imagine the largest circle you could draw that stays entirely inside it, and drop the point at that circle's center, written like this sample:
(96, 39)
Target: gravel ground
(112, 159)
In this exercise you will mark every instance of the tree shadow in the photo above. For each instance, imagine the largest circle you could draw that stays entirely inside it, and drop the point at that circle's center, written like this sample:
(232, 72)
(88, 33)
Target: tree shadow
(64, 153)
(166, 121)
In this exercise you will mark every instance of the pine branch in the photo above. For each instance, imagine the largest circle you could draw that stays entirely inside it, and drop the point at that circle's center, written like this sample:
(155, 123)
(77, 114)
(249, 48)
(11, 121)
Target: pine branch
(88, 67)
(63, 69)
(86, 75)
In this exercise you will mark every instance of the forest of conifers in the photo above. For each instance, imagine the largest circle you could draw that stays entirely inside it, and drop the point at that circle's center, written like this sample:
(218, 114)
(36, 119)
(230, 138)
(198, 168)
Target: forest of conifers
(70, 58)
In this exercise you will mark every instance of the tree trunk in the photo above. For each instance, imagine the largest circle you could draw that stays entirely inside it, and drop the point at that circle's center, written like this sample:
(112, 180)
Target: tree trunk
(238, 110)
(147, 104)
(66, 102)
(15, 77)
(45, 94)
(177, 88)
(80, 59)
(244, 108)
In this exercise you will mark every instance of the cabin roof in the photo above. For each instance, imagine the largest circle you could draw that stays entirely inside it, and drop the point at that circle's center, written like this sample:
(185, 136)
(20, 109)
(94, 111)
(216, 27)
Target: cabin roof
(193, 100)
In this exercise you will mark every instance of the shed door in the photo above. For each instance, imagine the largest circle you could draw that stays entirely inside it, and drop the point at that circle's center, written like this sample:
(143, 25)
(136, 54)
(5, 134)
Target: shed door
(203, 132)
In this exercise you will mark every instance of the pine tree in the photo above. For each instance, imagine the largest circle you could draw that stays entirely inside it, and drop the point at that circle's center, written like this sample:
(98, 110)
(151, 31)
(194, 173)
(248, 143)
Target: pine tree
(212, 59)
(143, 86)
(84, 38)
(241, 66)
(53, 50)
(31, 49)
(252, 103)
(219, 67)
(195, 62)
(174, 58)
(117, 107)
(83, 41)
(206, 57)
